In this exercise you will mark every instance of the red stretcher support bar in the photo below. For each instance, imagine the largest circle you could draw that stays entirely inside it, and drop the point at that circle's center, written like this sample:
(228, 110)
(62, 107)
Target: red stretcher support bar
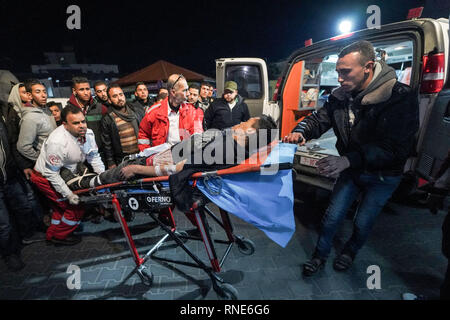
(252, 164)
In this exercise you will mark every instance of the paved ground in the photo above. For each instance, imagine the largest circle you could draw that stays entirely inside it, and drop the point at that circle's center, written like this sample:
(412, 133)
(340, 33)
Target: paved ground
(405, 244)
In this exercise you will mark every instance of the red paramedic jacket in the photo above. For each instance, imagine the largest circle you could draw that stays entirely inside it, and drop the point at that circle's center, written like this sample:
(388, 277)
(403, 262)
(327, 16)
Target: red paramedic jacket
(154, 127)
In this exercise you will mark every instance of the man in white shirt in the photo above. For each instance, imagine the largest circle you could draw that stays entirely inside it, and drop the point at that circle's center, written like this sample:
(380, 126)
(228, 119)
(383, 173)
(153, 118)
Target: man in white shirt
(66, 147)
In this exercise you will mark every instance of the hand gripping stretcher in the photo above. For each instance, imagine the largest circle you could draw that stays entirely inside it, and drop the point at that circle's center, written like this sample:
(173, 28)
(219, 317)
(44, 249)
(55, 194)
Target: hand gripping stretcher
(151, 195)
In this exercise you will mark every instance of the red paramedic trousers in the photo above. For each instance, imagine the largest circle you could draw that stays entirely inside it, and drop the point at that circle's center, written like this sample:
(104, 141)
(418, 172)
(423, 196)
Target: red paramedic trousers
(66, 217)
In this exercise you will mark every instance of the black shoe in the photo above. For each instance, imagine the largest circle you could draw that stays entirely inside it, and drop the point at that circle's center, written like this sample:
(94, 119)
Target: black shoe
(14, 263)
(313, 266)
(97, 220)
(71, 240)
(79, 229)
(343, 262)
(36, 237)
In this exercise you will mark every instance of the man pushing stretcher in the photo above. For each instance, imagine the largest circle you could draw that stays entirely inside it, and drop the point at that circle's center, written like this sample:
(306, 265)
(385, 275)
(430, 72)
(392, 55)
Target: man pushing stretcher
(59, 170)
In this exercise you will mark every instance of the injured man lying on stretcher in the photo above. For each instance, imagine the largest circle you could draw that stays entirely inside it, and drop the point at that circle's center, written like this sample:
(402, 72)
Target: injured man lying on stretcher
(211, 150)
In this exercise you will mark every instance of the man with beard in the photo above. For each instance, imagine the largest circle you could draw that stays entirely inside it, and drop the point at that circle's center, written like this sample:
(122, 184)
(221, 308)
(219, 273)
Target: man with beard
(120, 128)
(68, 147)
(227, 111)
(101, 96)
(172, 120)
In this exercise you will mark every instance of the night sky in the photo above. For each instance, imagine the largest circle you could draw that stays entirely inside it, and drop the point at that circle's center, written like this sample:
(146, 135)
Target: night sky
(191, 34)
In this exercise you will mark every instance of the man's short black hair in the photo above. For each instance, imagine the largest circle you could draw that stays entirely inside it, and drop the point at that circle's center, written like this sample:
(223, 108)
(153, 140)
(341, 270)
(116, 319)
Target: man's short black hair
(77, 80)
(69, 109)
(53, 103)
(206, 84)
(30, 83)
(99, 83)
(266, 132)
(195, 86)
(267, 123)
(365, 48)
(114, 85)
(139, 84)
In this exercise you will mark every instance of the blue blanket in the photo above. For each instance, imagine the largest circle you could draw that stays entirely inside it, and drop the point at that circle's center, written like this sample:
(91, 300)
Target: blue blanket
(265, 200)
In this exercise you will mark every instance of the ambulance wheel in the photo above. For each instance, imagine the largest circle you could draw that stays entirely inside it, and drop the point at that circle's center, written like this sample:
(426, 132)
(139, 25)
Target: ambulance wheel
(227, 292)
(146, 276)
(245, 246)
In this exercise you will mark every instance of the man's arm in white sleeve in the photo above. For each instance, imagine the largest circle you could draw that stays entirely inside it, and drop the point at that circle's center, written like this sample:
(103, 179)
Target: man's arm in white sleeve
(92, 155)
(53, 163)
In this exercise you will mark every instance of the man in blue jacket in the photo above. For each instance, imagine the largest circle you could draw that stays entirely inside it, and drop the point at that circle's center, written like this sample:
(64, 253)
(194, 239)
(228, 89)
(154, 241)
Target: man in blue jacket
(375, 119)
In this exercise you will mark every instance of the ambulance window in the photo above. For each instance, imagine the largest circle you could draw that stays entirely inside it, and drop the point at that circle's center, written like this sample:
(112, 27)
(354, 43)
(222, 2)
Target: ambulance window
(398, 55)
(319, 79)
(248, 79)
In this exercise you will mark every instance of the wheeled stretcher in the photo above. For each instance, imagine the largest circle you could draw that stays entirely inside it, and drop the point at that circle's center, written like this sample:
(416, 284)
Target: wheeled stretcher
(152, 195)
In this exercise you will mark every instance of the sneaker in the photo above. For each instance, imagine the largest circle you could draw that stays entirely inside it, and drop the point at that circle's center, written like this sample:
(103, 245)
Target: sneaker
(36, 237)
(14, 262)
(342, 262)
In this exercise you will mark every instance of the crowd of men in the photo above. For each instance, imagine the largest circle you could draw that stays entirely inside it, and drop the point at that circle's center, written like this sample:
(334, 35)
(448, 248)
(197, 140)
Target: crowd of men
(45, 145)
(374, 116)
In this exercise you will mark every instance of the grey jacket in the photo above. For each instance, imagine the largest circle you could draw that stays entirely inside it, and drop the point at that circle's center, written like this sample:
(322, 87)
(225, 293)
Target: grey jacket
(35, 127)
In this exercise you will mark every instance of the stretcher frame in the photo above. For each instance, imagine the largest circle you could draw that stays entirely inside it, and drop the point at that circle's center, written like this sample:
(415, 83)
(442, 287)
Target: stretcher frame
(200, 211)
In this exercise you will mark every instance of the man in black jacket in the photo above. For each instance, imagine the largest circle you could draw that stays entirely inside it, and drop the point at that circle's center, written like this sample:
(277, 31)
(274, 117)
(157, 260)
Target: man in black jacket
(375, 119)
(142, 100)
(228, 111)
(119, 129)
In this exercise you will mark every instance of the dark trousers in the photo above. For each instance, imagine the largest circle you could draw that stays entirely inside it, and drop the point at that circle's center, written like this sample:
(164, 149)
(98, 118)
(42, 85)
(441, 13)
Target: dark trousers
(445, 288)
(16, 217)
(376, 191)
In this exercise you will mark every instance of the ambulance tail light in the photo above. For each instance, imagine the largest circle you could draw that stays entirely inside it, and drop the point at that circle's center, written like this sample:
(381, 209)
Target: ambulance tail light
(433, 73)
(277, 88)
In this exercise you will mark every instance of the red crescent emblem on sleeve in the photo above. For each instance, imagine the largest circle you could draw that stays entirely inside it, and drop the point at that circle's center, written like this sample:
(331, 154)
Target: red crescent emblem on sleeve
(54, 160)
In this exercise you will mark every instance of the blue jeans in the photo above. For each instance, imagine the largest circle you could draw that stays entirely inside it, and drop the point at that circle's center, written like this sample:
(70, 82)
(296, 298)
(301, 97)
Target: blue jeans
(375, 191)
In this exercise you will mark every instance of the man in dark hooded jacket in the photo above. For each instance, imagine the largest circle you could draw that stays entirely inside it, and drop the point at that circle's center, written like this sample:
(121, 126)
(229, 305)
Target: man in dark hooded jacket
(228, 111)
(14, 206)
(375, 119)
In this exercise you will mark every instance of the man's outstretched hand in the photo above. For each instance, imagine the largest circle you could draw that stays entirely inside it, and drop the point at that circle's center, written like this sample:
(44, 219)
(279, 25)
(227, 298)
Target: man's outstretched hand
(295, 137)
(332, 166)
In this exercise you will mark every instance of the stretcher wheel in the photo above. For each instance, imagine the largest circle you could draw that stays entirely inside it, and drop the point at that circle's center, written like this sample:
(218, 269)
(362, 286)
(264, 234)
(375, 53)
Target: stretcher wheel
(227, 291)
(146, 276)
(245, 246)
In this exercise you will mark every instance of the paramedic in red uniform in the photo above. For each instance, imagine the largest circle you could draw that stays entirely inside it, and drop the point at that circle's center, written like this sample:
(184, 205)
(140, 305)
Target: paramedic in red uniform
(171, 120)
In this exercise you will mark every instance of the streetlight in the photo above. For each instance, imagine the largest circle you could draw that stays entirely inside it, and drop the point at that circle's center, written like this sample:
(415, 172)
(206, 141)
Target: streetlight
(345, 26)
